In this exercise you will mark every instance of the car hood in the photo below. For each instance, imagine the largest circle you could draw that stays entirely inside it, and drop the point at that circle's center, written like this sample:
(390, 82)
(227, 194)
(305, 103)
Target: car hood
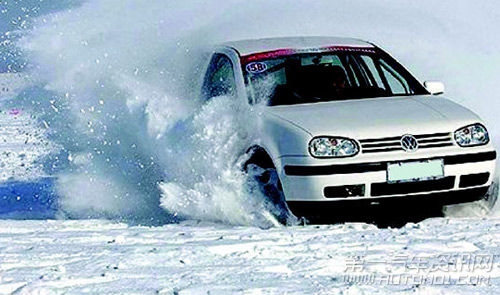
(377, 117)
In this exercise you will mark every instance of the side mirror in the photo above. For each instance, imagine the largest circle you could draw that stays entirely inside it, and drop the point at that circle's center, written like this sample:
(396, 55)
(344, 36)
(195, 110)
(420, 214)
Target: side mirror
(434, 87)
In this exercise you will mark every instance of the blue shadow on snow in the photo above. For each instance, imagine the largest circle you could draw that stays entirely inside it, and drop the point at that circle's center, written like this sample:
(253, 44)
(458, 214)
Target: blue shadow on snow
(28, 200)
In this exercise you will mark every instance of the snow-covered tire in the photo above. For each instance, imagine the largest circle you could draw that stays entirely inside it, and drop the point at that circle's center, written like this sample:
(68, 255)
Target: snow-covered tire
(491, 196)
(264, 178)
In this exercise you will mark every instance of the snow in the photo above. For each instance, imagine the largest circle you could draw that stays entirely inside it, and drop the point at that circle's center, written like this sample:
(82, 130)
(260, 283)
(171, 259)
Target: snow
(436, 256)
(120, 180)
(22, 145)
(11, 83)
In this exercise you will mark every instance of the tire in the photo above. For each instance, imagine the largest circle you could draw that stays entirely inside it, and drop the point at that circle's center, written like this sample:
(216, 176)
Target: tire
(481, 208)
(491, 196)
(264, 179)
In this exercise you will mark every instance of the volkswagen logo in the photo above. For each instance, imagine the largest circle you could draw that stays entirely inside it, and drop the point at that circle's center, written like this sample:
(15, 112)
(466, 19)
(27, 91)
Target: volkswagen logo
(409, 143)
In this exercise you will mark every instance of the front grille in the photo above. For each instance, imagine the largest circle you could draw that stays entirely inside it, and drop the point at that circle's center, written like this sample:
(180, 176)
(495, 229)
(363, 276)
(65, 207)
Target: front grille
(384, 188)
(391, 144)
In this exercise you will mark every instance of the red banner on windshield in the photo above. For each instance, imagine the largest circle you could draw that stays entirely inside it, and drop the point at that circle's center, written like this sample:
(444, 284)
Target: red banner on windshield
(287, 52)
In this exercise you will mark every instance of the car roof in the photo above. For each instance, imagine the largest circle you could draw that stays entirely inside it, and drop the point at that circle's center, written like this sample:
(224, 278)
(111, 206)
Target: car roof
(251, 46)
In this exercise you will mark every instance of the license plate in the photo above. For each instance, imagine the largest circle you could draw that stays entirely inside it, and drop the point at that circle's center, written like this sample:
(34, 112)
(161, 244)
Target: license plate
(415, 171)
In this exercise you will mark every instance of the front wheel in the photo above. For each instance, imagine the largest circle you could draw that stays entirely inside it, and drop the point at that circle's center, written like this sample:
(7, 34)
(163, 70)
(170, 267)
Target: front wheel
(266, 181)
(481, 208)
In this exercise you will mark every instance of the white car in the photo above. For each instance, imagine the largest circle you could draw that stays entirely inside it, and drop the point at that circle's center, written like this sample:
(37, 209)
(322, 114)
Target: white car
(346, 124)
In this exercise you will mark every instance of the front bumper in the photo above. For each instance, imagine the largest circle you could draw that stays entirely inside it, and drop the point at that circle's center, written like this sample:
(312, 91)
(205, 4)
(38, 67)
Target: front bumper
(344, 208)
(466, 178)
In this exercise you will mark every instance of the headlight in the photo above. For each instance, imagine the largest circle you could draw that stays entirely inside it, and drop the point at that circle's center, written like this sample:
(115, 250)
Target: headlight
(472, 135)
(332, 147)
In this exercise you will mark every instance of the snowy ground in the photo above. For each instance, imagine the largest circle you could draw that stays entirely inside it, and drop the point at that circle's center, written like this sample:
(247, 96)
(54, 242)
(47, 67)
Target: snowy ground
(437, 256)
(22, 146)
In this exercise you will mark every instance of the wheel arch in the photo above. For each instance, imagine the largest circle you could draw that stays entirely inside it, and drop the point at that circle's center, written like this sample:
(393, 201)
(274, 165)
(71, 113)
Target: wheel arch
(260, 156)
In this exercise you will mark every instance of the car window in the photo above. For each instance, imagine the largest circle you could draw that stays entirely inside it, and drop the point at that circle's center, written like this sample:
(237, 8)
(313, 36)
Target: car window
(263, 82)
(344, 74)
(397, 83)
(370, 65)
(219, 79)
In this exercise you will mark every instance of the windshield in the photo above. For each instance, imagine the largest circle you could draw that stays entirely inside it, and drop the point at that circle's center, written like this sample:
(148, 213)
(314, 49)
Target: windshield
(326, 76)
